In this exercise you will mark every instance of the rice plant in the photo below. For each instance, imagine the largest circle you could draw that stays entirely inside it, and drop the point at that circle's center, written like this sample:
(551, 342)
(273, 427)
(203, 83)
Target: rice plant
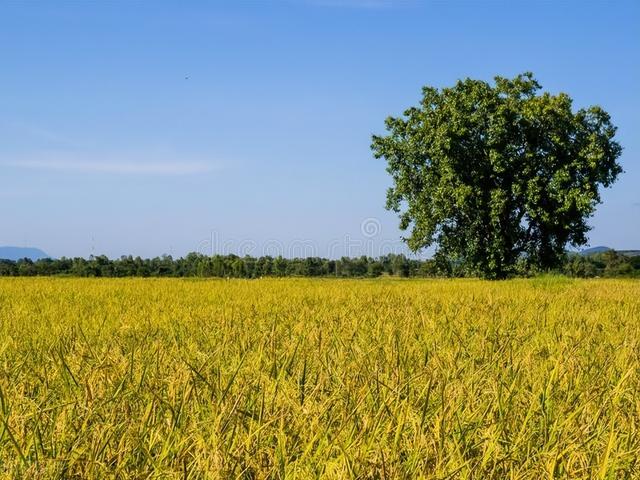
(317, 378)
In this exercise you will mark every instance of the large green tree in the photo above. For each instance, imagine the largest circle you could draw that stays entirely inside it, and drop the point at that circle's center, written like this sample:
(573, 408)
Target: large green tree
(497, 175)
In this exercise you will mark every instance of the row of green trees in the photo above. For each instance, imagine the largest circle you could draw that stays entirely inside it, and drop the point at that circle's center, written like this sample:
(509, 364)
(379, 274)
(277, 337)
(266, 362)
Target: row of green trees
(198, 265)
(607, 264)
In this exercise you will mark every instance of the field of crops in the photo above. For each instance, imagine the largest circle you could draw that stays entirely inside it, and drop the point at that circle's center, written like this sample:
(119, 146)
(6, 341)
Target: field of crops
(300, 378)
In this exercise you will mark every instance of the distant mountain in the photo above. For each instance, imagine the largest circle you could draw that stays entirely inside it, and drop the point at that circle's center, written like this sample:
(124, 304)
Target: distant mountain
(16, 253)
(602, 249)
(594, 250)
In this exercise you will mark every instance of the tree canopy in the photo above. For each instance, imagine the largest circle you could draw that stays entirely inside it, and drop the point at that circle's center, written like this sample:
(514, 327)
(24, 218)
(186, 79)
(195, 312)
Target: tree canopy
(498, 176)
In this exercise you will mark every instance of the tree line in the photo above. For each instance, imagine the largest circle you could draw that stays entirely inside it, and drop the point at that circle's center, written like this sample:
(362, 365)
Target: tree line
(607, 264)
(233, 266)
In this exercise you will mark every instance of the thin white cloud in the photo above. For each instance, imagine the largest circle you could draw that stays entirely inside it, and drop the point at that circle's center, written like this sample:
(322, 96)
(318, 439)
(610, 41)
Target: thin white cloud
(114, 167)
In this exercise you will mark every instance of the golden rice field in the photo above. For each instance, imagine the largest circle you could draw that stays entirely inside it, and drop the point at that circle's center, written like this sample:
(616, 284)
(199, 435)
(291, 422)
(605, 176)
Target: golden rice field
(303, 379)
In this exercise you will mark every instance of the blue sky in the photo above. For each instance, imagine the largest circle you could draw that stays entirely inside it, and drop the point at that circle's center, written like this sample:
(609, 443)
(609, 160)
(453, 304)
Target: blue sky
(169, 127)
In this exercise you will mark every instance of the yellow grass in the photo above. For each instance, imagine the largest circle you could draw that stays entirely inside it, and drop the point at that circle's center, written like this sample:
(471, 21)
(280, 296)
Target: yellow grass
(300, 378)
